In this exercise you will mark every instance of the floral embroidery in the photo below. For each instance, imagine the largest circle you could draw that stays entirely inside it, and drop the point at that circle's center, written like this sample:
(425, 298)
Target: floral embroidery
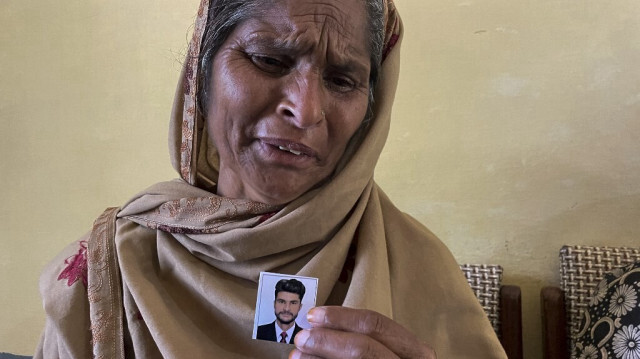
(105, 291)
(589, 352)
(626, 343)
(610, 323)
(201, 215)
(76, 266)
(600, 292)
(618, 272)
(187, 155)
(623, 300)
(574, 350)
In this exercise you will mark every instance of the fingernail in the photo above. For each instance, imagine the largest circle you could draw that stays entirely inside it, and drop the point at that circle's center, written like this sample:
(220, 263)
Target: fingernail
(316, 315)
(301, 338)
(295, 354)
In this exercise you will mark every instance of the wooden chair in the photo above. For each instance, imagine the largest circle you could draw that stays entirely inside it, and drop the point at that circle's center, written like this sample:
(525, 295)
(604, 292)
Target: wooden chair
(502, 303)
(581, 269)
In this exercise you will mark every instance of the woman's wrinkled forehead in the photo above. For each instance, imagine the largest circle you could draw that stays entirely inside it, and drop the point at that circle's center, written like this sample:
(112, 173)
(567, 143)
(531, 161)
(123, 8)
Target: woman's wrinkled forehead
(307, 27)
(307, 24)
(339, 15)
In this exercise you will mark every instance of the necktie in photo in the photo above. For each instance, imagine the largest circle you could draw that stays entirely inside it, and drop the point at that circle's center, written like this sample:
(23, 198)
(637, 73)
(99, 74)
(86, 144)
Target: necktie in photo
(284, 337)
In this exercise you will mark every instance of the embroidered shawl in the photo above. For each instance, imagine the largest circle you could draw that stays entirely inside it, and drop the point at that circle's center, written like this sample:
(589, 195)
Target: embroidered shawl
(174, 273)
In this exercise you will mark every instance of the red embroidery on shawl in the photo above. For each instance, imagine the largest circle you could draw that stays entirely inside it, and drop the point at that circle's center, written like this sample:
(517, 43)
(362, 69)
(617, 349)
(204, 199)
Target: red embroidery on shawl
(138, 316)
(350, 262)
(392, 42)
(76, 266)
(266, 216)
(180, 230)
(188, 75)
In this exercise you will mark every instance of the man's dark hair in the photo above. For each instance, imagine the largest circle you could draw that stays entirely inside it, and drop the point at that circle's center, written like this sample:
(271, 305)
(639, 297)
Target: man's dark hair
(291, 286)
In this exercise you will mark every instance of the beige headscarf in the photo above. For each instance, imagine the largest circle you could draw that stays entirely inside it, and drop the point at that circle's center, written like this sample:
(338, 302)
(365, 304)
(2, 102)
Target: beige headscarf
(189, 260)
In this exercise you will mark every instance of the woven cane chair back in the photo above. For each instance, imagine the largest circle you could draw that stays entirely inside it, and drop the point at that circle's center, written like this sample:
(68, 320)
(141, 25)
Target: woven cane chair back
(581, 269)
(485, 281)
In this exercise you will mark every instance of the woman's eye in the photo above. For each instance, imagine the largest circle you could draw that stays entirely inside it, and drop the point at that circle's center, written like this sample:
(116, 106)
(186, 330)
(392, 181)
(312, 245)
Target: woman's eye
(268, 64)
(340, 83)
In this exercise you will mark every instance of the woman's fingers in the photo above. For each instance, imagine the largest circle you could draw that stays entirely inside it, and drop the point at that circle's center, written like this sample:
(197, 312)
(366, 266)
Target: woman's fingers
(297, 354)
(330, 343)
(374, 325)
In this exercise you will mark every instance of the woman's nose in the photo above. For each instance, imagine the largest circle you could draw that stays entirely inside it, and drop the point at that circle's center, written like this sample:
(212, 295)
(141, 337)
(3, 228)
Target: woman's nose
(301, 104)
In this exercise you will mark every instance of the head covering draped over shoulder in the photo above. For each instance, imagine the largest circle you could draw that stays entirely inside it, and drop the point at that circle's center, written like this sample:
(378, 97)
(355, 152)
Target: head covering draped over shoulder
(190, 260)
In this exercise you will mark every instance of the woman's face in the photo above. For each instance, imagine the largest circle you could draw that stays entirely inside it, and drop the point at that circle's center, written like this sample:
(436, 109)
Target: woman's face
(289, 89)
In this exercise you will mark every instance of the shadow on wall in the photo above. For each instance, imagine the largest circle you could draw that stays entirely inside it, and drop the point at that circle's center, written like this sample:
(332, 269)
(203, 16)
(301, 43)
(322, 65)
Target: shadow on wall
(608, 222)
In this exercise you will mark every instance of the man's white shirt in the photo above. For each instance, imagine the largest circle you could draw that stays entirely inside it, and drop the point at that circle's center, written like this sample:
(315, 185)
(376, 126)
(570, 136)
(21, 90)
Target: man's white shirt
(289, 332)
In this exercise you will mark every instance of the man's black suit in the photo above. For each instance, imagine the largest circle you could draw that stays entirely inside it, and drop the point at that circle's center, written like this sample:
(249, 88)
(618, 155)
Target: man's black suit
(268, 332)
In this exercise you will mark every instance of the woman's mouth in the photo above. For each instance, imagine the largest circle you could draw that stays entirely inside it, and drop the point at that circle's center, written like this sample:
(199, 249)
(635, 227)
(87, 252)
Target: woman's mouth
(290, 147)
(297, 153)
(286, 154)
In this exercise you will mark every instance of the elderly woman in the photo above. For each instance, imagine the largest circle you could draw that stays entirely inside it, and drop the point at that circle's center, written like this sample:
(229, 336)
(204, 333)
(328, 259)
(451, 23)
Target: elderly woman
(279, 119)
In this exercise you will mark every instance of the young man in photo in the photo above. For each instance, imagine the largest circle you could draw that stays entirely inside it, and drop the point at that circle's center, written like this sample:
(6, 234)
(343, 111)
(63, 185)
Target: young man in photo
(289, 294)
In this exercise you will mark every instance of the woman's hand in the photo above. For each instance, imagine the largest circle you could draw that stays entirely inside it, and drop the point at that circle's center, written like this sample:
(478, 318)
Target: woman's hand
(340, 332)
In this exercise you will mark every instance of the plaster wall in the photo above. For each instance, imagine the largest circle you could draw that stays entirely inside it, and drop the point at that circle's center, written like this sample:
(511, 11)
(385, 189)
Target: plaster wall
(515, 130)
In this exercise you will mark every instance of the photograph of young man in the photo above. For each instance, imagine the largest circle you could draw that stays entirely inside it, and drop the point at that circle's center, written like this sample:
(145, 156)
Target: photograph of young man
(287, 304)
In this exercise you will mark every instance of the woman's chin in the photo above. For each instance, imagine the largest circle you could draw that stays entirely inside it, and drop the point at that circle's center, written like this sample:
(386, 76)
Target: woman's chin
(275, 197)
(273, 185)
(279, 193)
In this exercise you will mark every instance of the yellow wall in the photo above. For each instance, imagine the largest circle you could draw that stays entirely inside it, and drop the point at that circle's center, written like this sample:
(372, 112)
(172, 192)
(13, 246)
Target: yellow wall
(516, 130)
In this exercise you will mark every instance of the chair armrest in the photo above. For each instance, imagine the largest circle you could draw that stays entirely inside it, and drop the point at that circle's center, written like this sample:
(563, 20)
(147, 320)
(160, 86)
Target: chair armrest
(554, 324)
(511, 320)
